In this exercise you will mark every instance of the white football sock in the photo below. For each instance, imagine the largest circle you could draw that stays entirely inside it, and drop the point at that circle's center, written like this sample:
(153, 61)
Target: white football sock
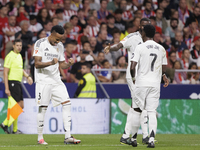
(40, 121)
(128, 126)
(66, 111)
(135, 124)
(152, 125)
(144, 123)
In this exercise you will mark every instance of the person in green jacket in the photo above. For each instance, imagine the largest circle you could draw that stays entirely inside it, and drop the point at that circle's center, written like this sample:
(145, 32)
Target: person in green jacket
(87, 85)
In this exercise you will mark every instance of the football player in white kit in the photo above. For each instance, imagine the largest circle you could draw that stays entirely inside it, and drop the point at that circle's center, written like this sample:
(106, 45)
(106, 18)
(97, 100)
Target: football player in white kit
(130, 42)
(49, 54)
(151, 59)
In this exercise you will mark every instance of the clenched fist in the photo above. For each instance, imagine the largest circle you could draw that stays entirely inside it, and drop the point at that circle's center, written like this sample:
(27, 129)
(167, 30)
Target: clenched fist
(71, 61)
(107, 49)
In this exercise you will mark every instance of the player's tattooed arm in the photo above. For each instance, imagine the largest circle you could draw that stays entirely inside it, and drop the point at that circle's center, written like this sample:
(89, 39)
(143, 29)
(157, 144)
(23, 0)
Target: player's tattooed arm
(132, 70)
(40, 64)
(115, 47)
(165, 79)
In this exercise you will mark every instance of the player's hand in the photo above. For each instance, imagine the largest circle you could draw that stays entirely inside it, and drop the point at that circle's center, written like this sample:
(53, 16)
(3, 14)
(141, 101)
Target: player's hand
(71, 61)
(30, 80)
(107, 49)
(54, 61)
(7, 91)
(165, 80)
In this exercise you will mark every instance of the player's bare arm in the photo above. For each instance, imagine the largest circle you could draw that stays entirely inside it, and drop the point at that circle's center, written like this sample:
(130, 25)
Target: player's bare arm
(65, 65)
(165, 79)
(29, 79)
(115, 47)
(5, 74)
(132, 70)
(40, 64)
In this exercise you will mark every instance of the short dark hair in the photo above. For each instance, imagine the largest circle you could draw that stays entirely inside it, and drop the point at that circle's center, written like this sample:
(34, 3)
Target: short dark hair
(88, 65)
(16, 41)
(149, 30)
(72, 42)
(102, 1)
(110, 16)
(116, 30)
(145, 19)
(129, 25)
(58, 11)
(153, 18)
(73, 16)
(172, 19)
(170, 53)
(32, 17)
(118, 11)
(104, 61)
(58, 29)
(85, 42)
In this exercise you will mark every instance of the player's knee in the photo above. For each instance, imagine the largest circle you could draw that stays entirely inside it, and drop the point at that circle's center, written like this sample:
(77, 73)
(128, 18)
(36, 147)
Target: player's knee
(138, 110)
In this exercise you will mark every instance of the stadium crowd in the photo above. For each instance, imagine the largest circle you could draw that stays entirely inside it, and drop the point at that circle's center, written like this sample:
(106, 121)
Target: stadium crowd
(91, 24)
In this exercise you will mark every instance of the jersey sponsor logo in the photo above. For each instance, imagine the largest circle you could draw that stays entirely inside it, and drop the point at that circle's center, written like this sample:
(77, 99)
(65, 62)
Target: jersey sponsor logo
(50, 56)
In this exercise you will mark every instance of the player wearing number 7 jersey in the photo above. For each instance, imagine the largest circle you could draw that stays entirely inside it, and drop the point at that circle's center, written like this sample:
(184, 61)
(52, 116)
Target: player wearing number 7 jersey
(130, 42)
(151, 59)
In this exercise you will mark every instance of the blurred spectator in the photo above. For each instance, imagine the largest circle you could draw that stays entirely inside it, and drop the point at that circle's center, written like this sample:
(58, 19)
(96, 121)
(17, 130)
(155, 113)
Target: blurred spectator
(38, 5)
(179, 38)
(174, 14)
(59, 15)
(47, 27)
(34, 26)
(153, 22)
(94, 5)
(183, 11)
(136, 22)
(85, 32)
(43, 16)
(102, 36)
(93, 26)
(106, 76)
(86, 7)
(160, 21)
(158, 39)
(100, 58)
(81, 18)
(22, 15)
(26, 37)
(130, 28)
(3, 22)
(119, 22)
(147, 12)
(193, 26)
(68, 12)
(103, 26)
(68, 27)
(29, 7)
(113, 5)
(193, 77)
(120, 76)
(110, 24)
(93, 43)
(174, 47)
(138, 13)
(9, 31)
(179, 77)
(195, 51)
(194, 16)
(74, 21)
(171, 59)
(49, 6)
(170, 31)
(185, 61)
(127, 15)
(187, 38)
(102, 12)
(76, 5)
(54, 21)
(162, 4)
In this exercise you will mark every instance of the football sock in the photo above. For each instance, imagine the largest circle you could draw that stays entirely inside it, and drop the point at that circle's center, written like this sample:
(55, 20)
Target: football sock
(152, 125)
(135, 124)
(15, 127)
(128, 126)
(144, 123)
(5, 122)
(66, 112)
(40, 121)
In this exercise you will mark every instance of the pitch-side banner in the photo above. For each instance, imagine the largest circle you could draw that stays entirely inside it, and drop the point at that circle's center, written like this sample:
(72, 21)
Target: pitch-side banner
(89, 116)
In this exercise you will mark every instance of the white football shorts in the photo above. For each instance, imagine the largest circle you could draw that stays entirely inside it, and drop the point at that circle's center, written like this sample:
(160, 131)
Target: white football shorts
(57, 93)
(147, 98)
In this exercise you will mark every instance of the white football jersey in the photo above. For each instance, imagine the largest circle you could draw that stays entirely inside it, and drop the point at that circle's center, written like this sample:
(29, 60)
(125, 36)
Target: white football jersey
(150, 56)
(130, 42)
(50, 74)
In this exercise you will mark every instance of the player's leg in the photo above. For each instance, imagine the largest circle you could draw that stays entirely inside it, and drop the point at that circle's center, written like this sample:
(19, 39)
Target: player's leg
(152, 102)
(60, 96)
(125, 139)
(144, 126)
(42, 96)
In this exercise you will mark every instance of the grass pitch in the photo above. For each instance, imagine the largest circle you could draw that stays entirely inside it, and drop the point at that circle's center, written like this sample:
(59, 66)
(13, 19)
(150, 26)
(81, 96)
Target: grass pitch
(97, 142)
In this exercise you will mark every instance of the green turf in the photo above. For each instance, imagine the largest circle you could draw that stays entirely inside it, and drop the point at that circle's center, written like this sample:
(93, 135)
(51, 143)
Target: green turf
(97, 142)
